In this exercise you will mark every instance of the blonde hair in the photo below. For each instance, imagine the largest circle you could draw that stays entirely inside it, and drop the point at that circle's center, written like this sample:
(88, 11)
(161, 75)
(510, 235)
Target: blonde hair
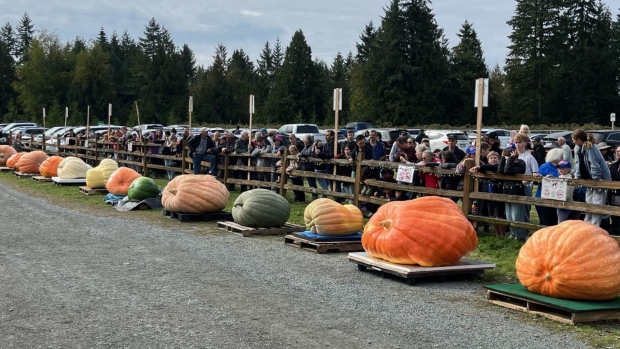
(292, 148)
(492, 154)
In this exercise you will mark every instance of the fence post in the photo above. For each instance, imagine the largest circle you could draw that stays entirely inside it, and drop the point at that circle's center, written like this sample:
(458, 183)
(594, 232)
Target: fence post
(58, 145)
(358, 173)
(183, 162)
(467, 187)
(283, 174)
(145, 161)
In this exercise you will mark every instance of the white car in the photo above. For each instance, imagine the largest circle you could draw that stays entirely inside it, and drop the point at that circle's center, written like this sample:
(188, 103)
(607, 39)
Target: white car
(439, 139)
(503, 134)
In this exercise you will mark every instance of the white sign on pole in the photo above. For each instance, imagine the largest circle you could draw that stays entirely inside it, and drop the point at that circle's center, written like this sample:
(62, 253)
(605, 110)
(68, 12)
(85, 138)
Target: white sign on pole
(66, 113)
(405, 173)
(612, 117)
(191, 103)
(337, 99)
(252, 109)
(43, 113)
(485, 96)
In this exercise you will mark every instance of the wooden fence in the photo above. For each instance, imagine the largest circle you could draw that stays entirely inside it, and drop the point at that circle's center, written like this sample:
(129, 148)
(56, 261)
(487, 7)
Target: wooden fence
(137, 156)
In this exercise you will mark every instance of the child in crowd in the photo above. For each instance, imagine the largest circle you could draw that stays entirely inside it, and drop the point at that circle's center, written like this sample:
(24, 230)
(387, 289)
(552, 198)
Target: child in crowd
(564, 167)
(495, 209)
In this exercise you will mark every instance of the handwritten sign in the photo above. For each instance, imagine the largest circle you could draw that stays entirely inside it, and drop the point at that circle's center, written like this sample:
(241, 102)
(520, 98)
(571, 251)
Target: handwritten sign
(405, 173)
(554, 189)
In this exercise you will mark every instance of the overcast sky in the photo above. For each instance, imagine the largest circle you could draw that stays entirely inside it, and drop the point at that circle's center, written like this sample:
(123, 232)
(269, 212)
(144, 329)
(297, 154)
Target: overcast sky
(330, 26)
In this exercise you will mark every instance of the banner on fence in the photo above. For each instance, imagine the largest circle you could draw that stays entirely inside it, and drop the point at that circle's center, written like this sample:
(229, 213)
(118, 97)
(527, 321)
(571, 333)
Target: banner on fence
(554, 189)
(405, 173)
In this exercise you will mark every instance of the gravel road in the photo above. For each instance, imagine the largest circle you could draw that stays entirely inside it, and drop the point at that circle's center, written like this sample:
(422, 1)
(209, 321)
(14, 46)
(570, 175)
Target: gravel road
(73, 279)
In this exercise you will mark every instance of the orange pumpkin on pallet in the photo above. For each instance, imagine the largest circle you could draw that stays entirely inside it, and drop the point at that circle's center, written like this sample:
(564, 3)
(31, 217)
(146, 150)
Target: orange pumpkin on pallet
(194, 194)
(30, 162)
(571, 260)
(428, 231)
(12, 160)
(6, 151)
(49, 167)
(119, 181)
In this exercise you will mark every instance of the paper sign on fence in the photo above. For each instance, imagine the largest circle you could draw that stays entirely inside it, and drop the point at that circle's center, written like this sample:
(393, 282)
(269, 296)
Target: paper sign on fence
(554, 189)
(405, 173)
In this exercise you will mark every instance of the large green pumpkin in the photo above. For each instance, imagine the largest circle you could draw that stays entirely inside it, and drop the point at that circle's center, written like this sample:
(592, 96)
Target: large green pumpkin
(261, 208)
(142, 188)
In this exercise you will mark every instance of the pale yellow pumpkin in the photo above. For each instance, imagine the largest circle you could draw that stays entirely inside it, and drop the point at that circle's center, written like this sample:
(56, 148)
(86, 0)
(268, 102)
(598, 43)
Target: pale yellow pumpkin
(96, 178)
(327, 217)
(72, 168)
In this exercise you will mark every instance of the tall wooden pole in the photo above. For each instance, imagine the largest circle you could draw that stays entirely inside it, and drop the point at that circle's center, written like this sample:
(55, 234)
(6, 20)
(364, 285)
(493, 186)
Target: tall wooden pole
(337, 108)
(109, 117)
(480, 88)
(43, 117)
(250, 132)
(191, 109)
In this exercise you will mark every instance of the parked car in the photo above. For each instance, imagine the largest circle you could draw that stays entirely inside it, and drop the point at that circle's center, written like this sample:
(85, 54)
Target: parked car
(6, 130)
(503, 134)
(550, 141)
(300, 131)
(439, 139)
(611, 137)
(356, 126)
(26, 134)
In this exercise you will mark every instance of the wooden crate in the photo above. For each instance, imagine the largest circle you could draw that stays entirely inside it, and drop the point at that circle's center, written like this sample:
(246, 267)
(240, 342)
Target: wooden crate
(72, 181)
(467, 268)
(5, 169)
(323, 247)
(198, 217)
(89, 191)
(249, 231)
(557, 310)
(41, 179)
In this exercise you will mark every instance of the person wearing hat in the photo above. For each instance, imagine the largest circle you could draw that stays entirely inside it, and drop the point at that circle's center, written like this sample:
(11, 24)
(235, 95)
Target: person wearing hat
(607, 154)
(494, 142)
(458, 153)
(278, 150)
(202, 148)
(548, 215)
(426, 142)
(564, 168)
(262, 147)
(421, 136)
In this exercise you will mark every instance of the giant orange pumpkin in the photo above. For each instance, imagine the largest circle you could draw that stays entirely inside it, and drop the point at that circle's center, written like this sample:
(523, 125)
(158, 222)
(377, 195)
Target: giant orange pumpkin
(6, 151)
(195, 194)
(428, 231)
(571, 260)
(49, 167)
(119, 181)
(30, 162)
(327, 217)
(12, 160)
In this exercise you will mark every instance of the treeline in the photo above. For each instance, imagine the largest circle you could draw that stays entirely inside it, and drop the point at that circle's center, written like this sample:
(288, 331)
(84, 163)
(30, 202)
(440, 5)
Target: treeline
(563, 66)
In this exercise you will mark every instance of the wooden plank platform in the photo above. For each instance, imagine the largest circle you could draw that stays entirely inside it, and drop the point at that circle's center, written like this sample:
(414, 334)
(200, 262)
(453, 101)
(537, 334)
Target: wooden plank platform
(89, 191)
(249, 231)
(73, 181)
(5, 169)
(198, 217)
(323, 247)
(466, 267)
(554, 309)
(41, 179)
(24, 175)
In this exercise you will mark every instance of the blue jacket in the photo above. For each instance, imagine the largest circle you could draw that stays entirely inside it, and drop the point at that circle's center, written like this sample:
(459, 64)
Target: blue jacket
(593, 161)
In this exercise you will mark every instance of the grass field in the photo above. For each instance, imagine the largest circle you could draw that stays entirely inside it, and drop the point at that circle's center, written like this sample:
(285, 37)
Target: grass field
(501, 251)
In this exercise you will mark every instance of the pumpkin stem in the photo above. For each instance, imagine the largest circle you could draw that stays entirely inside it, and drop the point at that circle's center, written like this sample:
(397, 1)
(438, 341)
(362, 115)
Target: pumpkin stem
(386, 223)
(548, 277)
(173, 191)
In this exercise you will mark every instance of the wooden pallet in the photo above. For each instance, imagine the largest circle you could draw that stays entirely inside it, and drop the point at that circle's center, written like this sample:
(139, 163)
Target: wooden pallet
(5, 169)
(323, 247)
(73, 181)
(561, 312)
(24, 175)
(198, 217)
(41, 179)
(465, 268)
(249, 231)
(89, 191)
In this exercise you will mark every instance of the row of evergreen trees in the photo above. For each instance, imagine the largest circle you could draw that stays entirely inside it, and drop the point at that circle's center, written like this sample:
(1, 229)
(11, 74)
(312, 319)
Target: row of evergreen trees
(563, 66)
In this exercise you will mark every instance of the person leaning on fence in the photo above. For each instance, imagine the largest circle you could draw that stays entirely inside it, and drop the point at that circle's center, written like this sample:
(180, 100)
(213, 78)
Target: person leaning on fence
(495, 209)
(293, 165)
(565, 167)
(406, 150)
(262, 147)
(429, 179)
(548, 215)
(395, 148)
(306, 164)
(378, 147)
(278, 150)
(242, 146)
(169, 145)
(345, 171)
(292, 140)
(510, 164)
(590, 165)
(325, 153)
(613, 196)
(202, 148)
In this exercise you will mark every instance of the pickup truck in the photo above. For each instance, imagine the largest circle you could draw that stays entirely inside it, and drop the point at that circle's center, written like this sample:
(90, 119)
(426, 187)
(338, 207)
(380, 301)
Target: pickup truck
(356, 126)
(301, 130)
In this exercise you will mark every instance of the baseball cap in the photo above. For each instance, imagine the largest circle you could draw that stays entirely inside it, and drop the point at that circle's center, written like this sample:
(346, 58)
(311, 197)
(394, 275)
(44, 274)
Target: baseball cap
(263, 130)
(471, 150)
(451, 136)
(564, 164)
(278, 137)
(510, 146)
